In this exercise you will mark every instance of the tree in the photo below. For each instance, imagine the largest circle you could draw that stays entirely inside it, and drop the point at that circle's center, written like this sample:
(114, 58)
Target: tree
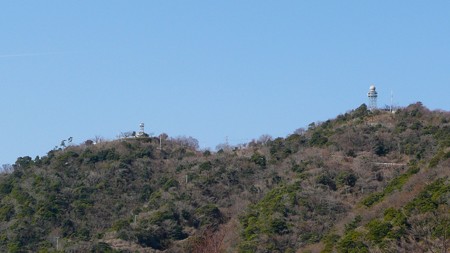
(361, 111)
(129, 134)
(187, 141)
(6, 168)
(88, 142)
(431, 231)
(300, 131)
(211, 241)
(264, 139)
(163, 136)
(223, 147)
(98, 139)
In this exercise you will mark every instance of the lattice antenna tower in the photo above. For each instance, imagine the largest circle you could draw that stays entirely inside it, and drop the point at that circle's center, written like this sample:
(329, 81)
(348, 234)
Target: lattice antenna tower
(141, 129)
(372, 94)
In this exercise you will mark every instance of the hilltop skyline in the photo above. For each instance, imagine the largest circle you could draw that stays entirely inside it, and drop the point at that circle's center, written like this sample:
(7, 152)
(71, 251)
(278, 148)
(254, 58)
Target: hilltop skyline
(209, 70)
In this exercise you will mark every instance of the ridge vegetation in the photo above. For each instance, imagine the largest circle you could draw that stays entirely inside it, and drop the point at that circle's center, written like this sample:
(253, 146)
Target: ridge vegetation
(366, 181)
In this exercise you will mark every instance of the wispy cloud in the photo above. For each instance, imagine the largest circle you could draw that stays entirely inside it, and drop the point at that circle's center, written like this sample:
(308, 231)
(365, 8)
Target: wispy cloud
(30, 54)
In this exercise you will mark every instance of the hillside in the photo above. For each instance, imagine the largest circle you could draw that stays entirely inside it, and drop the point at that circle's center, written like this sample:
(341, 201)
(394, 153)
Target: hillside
(362, 182)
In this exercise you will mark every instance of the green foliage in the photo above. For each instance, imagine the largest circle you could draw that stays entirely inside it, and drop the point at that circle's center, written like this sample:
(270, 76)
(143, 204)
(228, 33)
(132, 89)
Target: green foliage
(352, 242)
(6, 212)
(248, 247)
(398, 182)
(318, 139)
(21, 196)
(346, 178)
(396, 222)
(326, 180)
(209, 215)
(83, 233)
(6, 186)
(395, 217)
(154, 238)
(102, 247)
(23, 162)
(170, 183)
(380, 148)
(120, 224)
(430, 198)
(442, 135)
(66, 156)
(353, 224)
(360, 112)
(310, 237)
(280, 148)
(330, 241)
(161, 215)
(278, 226)
(205, 166)
(378, 230)
(440, 156)
(300, 167)
(395, 184)
(263, 218)
(160, 229)
(401, 127)
(372, 199)
(146, 192)
(14, 247)
(259, 159)
(68, 227)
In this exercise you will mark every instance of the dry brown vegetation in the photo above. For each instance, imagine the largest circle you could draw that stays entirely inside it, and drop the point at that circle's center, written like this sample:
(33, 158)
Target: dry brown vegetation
(363, 182)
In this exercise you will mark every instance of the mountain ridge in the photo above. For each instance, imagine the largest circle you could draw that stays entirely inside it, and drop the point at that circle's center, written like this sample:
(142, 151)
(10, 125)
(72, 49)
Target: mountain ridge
(362, 182)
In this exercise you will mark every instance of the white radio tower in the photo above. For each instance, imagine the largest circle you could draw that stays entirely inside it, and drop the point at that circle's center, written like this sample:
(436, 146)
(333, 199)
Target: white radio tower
(372, 94)
(141, 132)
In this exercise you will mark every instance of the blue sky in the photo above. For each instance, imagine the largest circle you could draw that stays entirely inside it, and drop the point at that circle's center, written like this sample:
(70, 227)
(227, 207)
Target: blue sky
(209, 69)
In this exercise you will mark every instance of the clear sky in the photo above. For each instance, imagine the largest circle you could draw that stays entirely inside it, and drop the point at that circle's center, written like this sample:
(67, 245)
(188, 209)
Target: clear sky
(209, 69)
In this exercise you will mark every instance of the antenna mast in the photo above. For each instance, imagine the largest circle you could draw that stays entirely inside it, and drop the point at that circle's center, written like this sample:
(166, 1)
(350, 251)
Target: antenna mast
(392, 101)
(372, 94)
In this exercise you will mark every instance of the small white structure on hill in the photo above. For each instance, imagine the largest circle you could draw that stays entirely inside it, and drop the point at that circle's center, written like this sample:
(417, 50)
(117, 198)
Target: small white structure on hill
(372, 94)
(141, 132)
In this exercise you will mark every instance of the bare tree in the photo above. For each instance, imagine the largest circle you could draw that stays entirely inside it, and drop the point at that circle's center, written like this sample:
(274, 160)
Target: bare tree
(211, 241)
(224, 147)
(98, 139)
(300, 131)
(124, 135)
(429, 232)
(187, 141)
(263, 139)
(7, 168)
(164, 136)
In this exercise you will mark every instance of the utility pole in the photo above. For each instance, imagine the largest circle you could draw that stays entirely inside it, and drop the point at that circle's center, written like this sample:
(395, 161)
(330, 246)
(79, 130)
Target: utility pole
(57, 243)
(392, 101)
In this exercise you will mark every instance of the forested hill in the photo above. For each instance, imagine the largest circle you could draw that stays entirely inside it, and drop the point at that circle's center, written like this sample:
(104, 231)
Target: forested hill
(362, 182)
